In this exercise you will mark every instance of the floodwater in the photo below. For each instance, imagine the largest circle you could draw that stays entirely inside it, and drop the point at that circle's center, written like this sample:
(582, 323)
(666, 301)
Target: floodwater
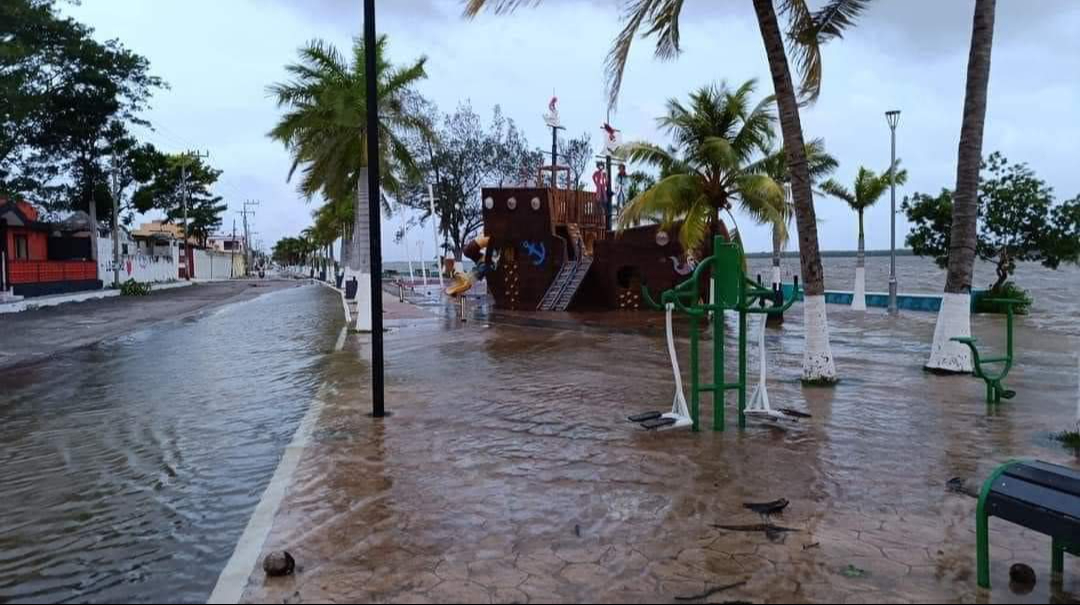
(129, 469)
(508, 472)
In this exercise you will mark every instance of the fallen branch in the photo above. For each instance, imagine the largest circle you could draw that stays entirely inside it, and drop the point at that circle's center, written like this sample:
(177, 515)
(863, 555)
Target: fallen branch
(710, 592)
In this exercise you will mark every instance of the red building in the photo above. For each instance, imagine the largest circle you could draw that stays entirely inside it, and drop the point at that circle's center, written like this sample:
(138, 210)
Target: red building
(38, 258)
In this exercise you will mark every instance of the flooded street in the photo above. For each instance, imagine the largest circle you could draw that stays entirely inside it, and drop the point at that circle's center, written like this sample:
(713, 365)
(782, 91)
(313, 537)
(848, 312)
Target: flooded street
(130, 468)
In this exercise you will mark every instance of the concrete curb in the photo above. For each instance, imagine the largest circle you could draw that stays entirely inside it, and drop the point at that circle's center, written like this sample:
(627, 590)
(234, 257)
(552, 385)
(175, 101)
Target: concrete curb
(234, 577)
(60, 299)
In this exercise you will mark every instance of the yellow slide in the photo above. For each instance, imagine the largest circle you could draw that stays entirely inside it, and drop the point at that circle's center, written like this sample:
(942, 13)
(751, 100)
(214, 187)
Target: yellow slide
(463, 282)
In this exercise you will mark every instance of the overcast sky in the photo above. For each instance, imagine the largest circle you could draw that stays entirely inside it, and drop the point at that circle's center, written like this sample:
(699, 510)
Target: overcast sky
(218, 57)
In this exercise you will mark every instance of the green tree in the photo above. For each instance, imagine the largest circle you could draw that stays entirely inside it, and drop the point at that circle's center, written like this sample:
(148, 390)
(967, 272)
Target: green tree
(458, 161)
(165, 190)
(576, 154)
(807, 31)
(821, 165)
(325, 129)
(62, 95)
(1018, 222)
(866, 191)
(718, 137)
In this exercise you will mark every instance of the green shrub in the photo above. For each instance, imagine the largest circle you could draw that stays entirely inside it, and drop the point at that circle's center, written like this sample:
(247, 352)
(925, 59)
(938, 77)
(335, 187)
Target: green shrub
(1070, 439)
(1007, 290)
(134, 288)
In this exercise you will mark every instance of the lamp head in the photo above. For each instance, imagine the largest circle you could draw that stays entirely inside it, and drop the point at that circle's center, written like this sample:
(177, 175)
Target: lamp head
(893, 117)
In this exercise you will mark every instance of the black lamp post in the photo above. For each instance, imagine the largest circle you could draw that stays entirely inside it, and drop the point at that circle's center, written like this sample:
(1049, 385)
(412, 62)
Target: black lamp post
(893, 118)
(375, 210)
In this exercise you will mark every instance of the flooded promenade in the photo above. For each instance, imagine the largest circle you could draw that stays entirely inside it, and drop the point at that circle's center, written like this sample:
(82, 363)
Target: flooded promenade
(508, 472)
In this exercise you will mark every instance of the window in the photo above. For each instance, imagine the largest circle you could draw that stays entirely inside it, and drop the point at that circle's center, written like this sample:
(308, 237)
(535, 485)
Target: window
(22, 248)
(124, 249)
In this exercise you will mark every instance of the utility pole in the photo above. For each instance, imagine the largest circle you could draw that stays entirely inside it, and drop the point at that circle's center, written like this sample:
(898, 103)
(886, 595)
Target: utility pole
(232, 259)
(247, 233)
(115, 224)
(186, 158)
(435, 229)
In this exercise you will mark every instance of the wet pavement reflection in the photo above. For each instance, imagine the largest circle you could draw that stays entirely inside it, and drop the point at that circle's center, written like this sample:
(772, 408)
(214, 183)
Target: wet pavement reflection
(130, 469)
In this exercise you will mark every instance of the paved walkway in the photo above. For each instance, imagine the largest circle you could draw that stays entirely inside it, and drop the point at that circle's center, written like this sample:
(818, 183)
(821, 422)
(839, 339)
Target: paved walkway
(34, 335)
(507, 472)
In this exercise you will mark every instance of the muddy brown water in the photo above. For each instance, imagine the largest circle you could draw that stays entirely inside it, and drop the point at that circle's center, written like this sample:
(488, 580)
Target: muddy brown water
(130, 469)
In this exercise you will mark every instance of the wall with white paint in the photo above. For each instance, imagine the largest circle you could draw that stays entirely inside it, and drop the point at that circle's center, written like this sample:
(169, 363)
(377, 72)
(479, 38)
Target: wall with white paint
(210, 265)
(140, 265)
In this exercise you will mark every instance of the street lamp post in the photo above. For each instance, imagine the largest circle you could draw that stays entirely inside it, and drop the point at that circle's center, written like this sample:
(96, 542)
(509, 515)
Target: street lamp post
(378, 409)
(893, 117)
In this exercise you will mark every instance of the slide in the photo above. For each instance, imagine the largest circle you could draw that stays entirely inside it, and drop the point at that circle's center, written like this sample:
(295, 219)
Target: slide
(463, 282)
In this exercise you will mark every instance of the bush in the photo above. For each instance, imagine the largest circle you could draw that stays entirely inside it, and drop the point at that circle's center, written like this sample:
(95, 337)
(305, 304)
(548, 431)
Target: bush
(1069, 439)
(1007, 290)
(134, 288)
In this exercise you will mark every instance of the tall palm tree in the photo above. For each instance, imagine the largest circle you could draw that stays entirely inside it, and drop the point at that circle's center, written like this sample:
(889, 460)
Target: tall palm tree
(954, 318)
(325, 129)
(716, 138)
(807, 31)
(867, 190)
(821, 164)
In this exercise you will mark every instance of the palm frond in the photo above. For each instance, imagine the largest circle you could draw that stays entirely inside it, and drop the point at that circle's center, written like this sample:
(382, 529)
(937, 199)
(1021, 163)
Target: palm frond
(809, 30)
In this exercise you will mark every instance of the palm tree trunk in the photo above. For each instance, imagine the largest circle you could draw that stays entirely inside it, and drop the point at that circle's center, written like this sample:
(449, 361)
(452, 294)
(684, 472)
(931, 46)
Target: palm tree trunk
(777, 244)
(818, 365)
(858, 301)
(954, 318)
(360, 257)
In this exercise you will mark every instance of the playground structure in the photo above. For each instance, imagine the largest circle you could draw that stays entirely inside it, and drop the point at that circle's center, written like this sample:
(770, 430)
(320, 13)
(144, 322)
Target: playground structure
(731, 290)
(995, 390)
(551, 249)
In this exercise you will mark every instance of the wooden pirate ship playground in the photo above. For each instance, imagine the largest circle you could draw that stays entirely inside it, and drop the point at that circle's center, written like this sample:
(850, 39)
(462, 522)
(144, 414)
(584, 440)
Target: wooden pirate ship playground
(552, 249)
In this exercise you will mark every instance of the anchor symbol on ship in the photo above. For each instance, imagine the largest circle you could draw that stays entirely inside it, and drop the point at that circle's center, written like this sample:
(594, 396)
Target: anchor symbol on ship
(537, 252)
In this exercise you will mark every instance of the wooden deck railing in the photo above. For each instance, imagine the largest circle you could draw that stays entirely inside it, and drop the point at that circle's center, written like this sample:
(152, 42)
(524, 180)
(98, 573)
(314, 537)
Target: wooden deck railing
(577, 207)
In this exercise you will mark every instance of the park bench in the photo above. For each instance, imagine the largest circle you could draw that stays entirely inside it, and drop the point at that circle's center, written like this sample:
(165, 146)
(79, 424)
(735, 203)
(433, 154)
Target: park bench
(1040, 496)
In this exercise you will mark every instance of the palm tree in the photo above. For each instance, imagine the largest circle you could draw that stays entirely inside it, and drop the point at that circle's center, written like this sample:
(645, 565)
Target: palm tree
(954, 318)
(716, 137)
(325, 129)
(868, 189)
(775, 165)
(807, 32)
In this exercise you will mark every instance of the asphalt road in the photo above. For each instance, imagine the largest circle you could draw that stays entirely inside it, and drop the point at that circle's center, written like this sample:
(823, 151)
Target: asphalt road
(34, 336)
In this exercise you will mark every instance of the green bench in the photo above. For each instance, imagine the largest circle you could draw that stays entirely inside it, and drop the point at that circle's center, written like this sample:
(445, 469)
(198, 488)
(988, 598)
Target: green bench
(1037, 495)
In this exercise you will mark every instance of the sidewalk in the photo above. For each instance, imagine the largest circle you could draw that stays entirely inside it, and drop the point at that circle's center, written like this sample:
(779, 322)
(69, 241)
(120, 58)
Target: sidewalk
(507, 472)
(40, 333)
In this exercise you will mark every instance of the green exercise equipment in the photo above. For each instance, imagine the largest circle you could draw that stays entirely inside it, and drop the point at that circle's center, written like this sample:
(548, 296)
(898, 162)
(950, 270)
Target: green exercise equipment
(983, 368)
(732, 291)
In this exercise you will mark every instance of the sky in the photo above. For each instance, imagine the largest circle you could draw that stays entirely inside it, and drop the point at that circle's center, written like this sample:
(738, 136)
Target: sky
(219, 56)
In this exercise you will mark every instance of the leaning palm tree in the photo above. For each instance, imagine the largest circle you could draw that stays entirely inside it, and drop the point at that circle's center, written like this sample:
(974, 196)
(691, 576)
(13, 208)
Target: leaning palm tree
(954, 317)
(821, 165)
(867, 190)
(325, 129)
(716, 137)
(807, 31)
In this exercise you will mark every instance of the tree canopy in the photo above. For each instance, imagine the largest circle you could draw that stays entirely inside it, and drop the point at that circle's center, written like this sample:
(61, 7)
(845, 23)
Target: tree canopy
(1018, 221)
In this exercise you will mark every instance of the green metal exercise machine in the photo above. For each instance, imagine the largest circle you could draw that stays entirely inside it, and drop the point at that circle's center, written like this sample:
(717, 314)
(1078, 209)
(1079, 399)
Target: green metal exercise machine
(995, 390)
(732, 291)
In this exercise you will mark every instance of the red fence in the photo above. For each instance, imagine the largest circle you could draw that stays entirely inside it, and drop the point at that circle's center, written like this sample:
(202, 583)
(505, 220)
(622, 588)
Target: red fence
(36, 272)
